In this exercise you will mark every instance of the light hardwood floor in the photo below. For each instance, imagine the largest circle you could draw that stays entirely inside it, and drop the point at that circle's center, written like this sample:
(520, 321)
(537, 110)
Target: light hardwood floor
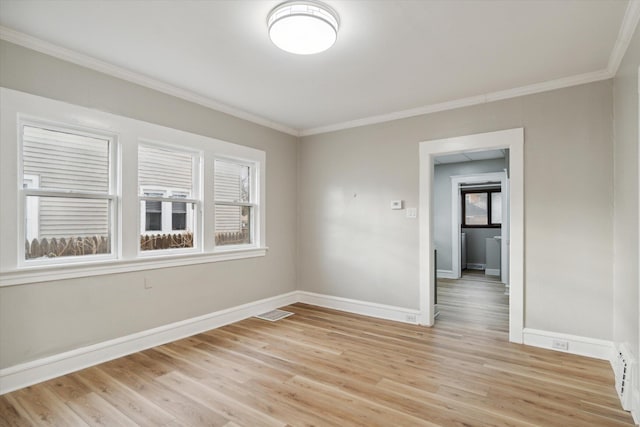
(474, 301)
(328, 368)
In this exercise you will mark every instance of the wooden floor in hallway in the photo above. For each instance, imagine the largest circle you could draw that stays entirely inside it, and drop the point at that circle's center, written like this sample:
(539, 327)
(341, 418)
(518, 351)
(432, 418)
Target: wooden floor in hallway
(323, 367)
(475, 301)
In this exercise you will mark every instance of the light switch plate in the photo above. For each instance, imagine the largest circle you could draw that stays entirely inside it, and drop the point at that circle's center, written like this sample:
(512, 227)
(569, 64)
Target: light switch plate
(396, 204)
(412, 212)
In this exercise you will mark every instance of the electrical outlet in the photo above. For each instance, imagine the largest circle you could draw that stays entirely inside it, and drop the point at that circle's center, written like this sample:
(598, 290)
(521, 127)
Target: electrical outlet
(412, 318)
(560, 345)
(147, 285)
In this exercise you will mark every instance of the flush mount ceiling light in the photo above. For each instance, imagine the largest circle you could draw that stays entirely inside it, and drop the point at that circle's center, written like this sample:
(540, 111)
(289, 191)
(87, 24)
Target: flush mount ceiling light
(303, 27)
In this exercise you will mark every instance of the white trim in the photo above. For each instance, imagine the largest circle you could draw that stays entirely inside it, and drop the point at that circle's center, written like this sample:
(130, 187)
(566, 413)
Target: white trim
(513, 139)
(635, 410)
(87, 61)
(48, 274)
(365, 308)
(29, 373)
(445, 274)
(582, 346)
(17, 107)
(627, 28)
(25, 374)
(492, 272)
(635, 405)
(564, 82)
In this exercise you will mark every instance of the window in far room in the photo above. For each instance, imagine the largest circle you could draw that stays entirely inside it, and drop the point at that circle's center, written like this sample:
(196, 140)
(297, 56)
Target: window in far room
(482, 208)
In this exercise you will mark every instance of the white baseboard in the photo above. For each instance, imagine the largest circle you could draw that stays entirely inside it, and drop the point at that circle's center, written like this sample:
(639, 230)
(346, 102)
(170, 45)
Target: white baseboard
(446, 274)
(23, 375)
(26, 374)
(635, 409)
(491, 271)
(582, 346)
(365, 308)
(475, 266)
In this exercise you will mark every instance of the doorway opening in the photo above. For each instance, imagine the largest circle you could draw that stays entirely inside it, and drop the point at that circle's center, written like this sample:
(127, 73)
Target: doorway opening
(511, 140)
(471, 231)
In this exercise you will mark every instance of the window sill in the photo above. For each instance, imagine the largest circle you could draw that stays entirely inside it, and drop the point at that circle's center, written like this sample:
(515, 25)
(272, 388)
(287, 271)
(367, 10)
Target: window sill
(70, 271)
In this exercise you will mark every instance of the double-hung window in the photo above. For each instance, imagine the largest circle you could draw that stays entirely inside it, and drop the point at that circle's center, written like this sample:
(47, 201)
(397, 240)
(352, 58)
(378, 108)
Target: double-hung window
(68, 194)
(87, 193)
(168, 190)
(235, 200)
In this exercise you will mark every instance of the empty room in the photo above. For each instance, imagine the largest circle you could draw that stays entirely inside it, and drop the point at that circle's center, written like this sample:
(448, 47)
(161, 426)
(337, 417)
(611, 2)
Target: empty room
(319, 213)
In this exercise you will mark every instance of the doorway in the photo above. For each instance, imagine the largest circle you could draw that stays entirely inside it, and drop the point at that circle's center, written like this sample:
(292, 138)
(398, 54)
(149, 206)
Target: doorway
(470, 191)
(513, 140)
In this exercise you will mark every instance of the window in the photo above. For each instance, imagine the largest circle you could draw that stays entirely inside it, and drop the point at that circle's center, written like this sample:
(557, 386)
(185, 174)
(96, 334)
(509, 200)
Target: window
(109, 199)
(68, 193)
(482, 208)
(234, 199)
(164, 176)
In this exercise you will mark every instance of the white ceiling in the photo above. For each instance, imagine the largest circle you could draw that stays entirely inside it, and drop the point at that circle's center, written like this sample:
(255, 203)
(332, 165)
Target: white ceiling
(391, 56)
(469, 156)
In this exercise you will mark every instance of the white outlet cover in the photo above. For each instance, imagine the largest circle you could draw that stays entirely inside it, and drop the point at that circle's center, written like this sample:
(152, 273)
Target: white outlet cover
(412, 212)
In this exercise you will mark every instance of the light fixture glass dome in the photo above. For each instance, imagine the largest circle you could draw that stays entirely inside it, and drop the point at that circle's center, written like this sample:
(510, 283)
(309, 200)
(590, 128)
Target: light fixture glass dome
(303, 27)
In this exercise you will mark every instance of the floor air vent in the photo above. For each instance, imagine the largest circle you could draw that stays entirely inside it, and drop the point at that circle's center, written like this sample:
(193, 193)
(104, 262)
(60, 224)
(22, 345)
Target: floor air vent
(623, 366)
(274, 315)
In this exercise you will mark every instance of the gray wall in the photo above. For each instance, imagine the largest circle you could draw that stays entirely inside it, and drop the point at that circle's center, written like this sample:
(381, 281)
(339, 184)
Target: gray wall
(476, 245)
(625, 278)
(41, 319)
(356, 247)
(442, 204)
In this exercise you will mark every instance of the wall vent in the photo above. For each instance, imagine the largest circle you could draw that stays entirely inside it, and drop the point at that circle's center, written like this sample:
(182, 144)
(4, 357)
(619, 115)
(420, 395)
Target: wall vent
(623, 367)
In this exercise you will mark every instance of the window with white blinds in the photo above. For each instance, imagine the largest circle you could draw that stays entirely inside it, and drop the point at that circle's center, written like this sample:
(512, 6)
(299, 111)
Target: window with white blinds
(235, 202)
(96, 193)
(68, 193)
(169, 198)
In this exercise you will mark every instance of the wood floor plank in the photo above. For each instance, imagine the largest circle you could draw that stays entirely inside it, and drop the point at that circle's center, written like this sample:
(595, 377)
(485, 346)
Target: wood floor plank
(133, 405)
(95, 411)
(142, 379)
(44, 408)
(11, 412)
(322, 367)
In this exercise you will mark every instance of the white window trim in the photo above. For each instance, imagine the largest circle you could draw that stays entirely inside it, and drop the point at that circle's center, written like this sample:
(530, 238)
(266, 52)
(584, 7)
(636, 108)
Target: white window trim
(254, 198)
(33, 181)
(112, 194)
(196, 199)
(15, 105)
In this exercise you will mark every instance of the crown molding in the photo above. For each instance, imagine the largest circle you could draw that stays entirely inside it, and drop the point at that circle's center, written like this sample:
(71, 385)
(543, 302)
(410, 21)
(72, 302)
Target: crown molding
(627, 28)
(87, 61)
(466, 102)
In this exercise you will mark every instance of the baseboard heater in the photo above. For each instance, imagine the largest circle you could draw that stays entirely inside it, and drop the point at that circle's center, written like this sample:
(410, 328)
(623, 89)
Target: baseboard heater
(623, 368)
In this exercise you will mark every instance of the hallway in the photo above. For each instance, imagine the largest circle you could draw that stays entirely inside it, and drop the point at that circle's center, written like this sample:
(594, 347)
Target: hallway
(474, 301)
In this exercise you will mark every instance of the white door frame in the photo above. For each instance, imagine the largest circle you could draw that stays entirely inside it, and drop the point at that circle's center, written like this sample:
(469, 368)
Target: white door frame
(456, 208)
(512, 139)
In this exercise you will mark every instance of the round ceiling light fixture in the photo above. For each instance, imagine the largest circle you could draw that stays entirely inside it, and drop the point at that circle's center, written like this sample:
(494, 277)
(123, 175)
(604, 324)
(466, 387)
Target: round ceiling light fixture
(303, 27)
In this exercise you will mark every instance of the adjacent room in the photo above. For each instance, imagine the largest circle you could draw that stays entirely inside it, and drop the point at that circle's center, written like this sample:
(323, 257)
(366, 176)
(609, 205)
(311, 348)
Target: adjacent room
(329, 213)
